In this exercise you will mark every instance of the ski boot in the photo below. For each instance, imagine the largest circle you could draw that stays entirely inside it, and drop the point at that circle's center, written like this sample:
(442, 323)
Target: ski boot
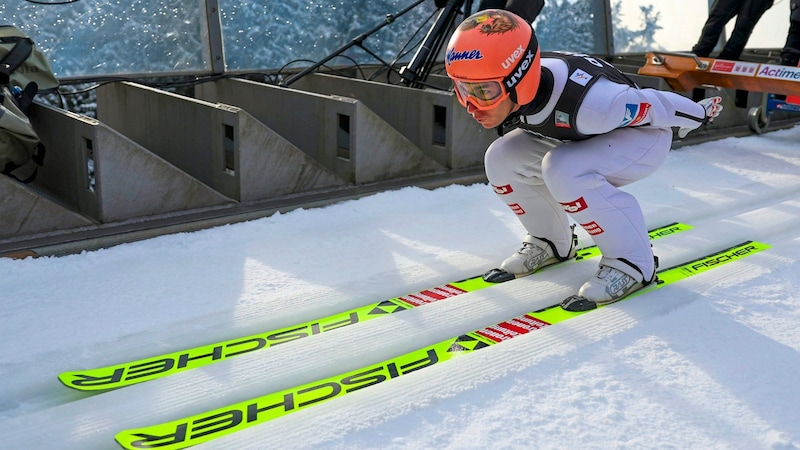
(535, 254)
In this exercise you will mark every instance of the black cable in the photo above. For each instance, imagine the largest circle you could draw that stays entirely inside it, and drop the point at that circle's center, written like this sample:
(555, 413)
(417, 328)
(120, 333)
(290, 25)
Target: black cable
(406, 49)
(62, 2)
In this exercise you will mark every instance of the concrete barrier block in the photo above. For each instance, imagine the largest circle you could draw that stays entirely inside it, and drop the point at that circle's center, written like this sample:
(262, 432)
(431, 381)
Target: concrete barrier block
(24, 212)
(430, 118)
(341, 133)
(219, 144)
(101, 173)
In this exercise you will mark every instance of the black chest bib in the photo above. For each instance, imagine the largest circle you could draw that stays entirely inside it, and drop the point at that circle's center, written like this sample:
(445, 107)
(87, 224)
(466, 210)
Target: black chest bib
(584, 71)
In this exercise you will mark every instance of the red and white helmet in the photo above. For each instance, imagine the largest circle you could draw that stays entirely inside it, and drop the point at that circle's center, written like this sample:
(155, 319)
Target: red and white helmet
(494, 54)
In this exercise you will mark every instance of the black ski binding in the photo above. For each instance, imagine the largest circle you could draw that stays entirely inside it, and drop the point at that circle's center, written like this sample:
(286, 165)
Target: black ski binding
(576, 303)
(498, 276)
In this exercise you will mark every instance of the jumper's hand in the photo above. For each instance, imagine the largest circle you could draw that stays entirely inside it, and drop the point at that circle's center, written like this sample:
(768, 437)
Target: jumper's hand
(712, 106)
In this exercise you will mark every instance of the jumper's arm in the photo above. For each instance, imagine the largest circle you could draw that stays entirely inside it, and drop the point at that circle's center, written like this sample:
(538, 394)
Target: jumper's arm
(685, 71)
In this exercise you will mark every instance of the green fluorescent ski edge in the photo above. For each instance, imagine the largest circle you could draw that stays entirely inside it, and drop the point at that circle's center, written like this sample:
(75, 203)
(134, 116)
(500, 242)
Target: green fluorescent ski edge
(224, 421)
(126, 374)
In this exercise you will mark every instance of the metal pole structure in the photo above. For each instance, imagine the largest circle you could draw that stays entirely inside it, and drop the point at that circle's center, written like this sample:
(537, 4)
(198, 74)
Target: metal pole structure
(356, 42)
(419, 67)
(215, 42)
(603, 29)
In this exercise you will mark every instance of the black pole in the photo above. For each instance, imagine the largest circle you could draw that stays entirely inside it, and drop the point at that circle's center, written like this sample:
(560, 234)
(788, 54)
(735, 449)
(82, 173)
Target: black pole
(357, 41)
(419, 67)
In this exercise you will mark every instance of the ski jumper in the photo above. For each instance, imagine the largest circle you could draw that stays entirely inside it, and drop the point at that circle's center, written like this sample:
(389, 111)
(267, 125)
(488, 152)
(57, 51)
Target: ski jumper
(576, 145)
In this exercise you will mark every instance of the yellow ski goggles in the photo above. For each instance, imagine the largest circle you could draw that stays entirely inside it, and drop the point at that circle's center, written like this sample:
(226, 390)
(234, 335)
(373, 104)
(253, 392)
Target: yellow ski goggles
(483, 95)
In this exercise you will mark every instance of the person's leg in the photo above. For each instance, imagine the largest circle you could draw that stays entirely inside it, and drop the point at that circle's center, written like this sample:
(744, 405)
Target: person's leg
(513, 165)
(585, 176)
(722, 11)
(749, 14)
(791, 50)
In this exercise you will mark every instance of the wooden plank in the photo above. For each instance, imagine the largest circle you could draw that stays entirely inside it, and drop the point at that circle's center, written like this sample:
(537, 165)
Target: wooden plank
(684, 72)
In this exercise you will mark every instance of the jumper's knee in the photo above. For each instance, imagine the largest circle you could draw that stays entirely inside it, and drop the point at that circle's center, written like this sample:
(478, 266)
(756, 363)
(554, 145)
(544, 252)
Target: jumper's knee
(515, 158)
(566, 176)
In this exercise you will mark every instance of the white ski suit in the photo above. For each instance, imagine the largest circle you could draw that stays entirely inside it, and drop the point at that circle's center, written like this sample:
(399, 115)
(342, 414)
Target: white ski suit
(608, 133)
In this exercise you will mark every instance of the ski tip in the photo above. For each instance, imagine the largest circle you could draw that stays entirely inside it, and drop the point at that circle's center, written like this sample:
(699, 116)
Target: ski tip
(576, 303)
(66, 380)
(498, 276)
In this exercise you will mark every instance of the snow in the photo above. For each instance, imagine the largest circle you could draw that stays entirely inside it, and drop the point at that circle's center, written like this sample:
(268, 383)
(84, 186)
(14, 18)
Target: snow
(710, 362)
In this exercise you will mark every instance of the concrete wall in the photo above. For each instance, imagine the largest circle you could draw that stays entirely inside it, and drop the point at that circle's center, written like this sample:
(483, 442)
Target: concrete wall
(152, 153)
